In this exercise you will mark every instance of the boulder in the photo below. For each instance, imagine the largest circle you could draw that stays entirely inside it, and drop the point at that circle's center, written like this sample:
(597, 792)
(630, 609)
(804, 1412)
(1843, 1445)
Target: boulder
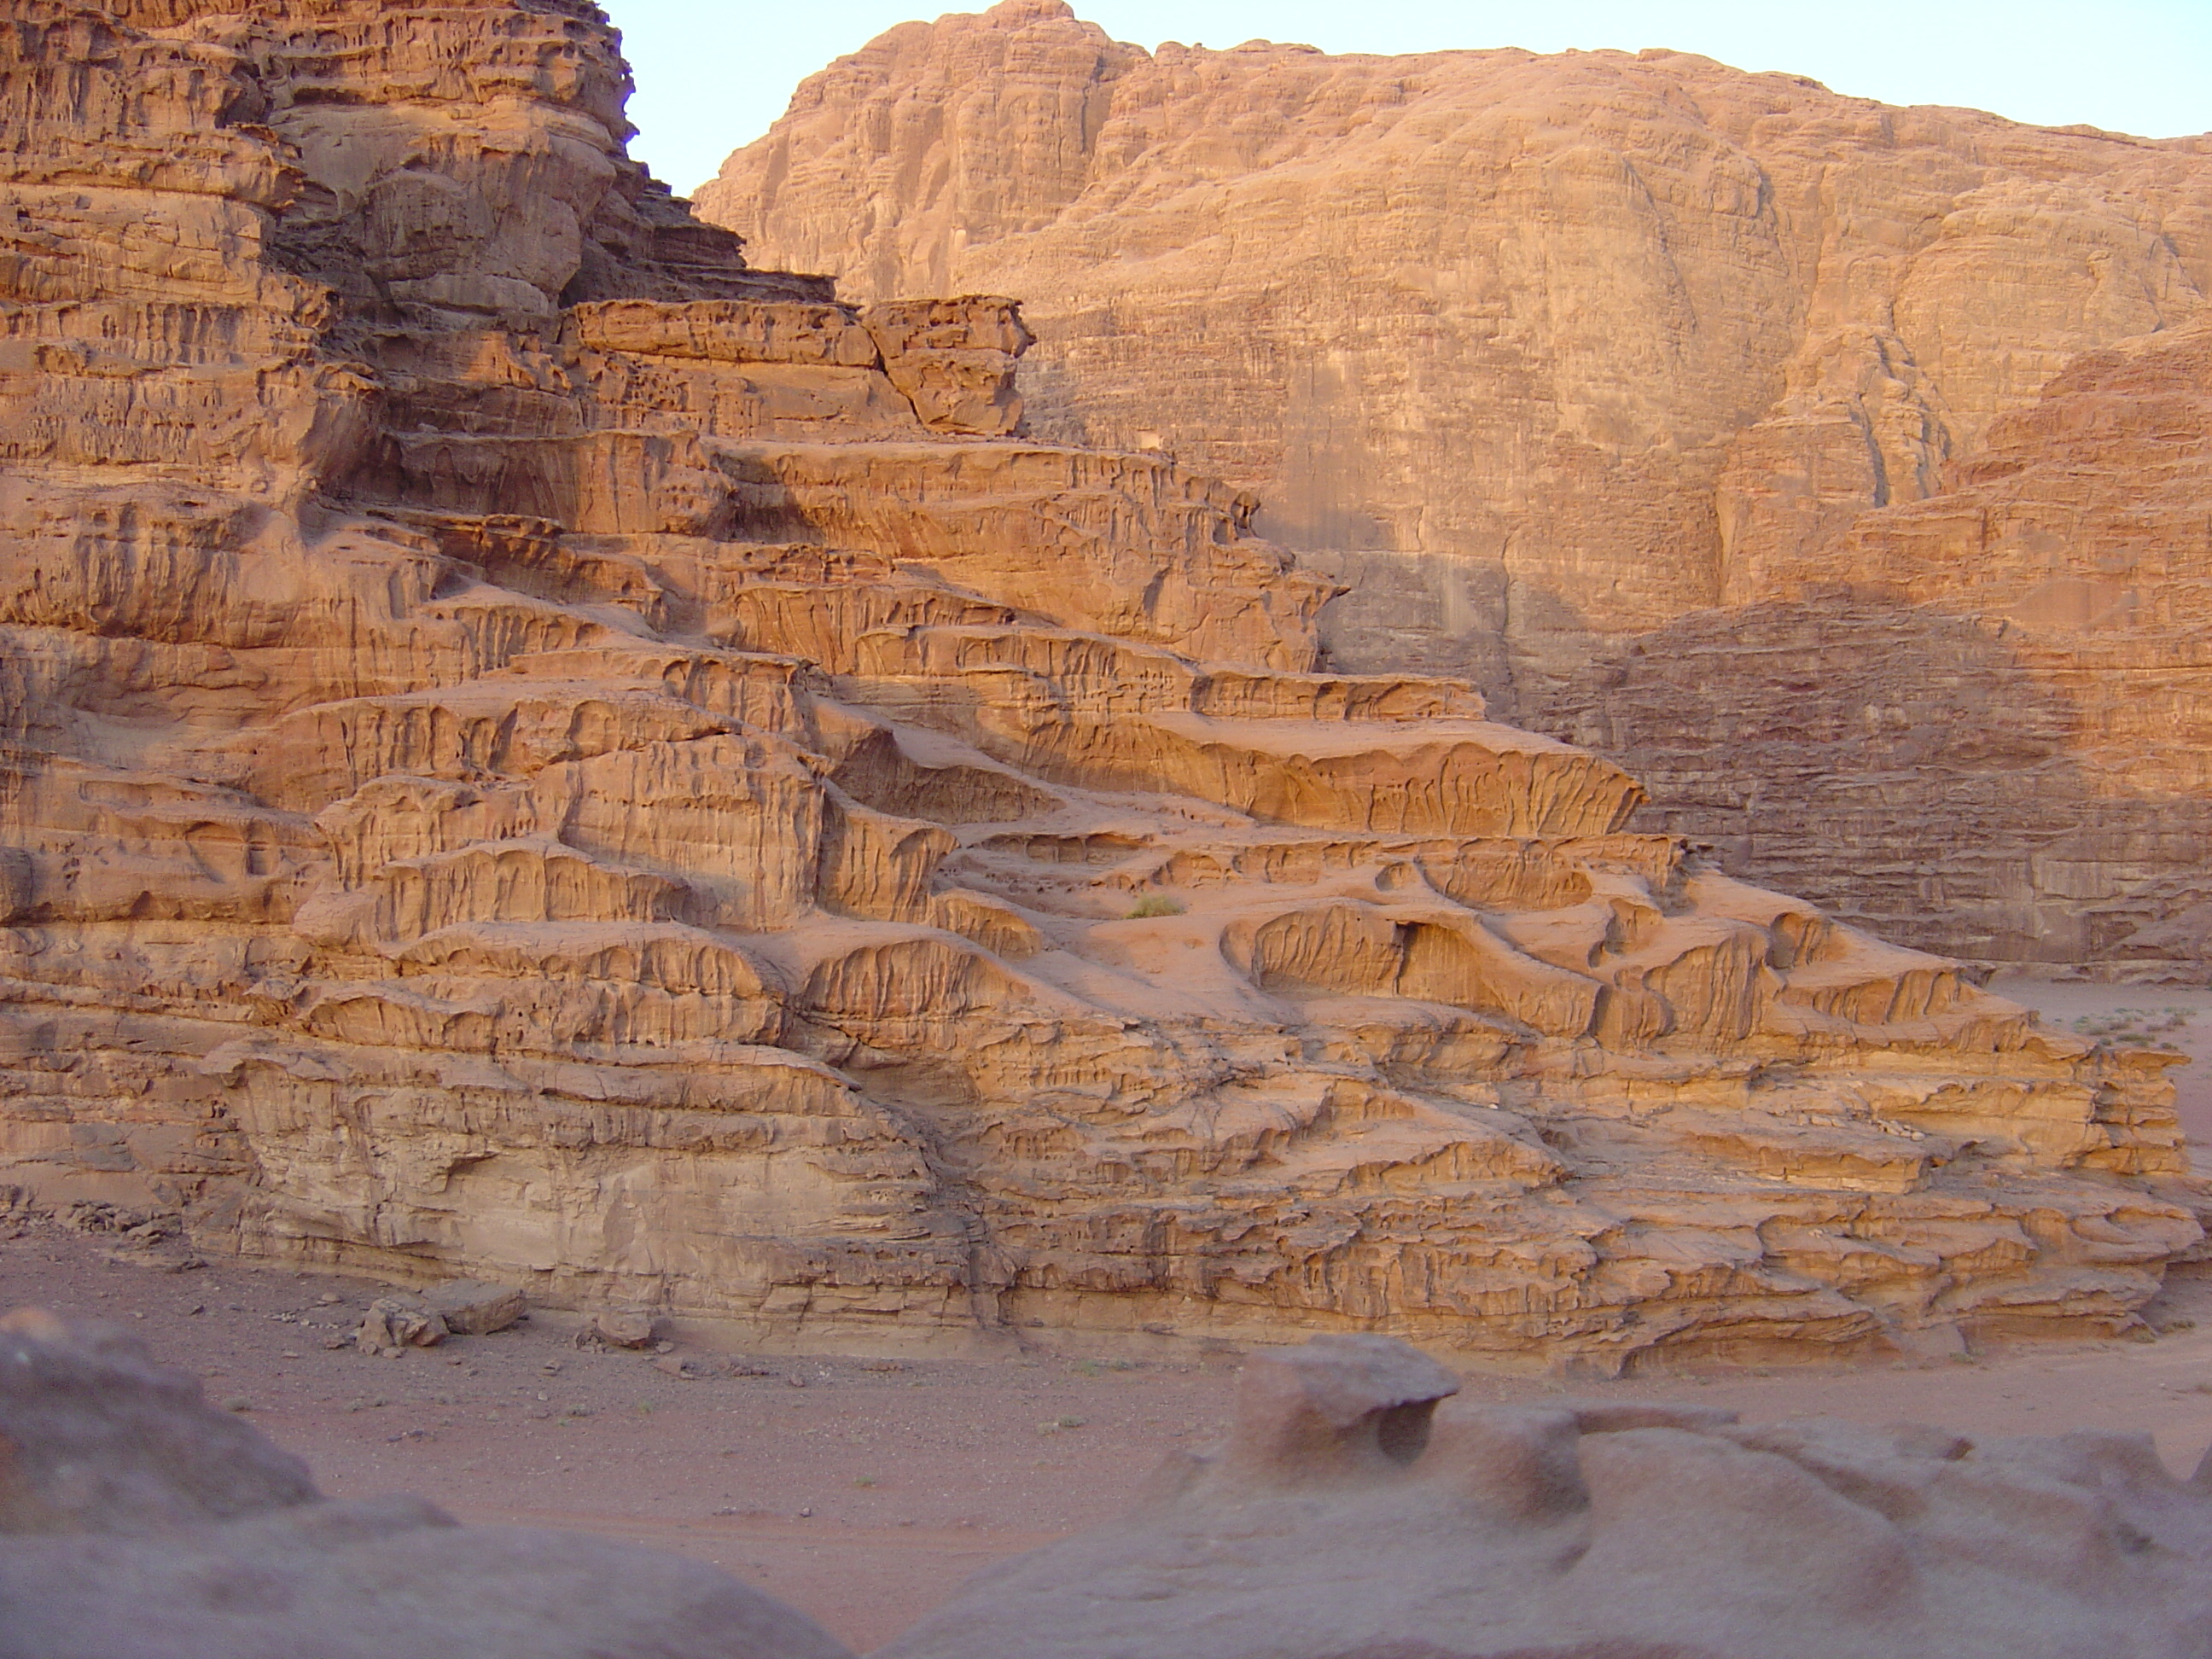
(383, 1578)
(622, 1327)
(135, 1519)
(95, 1438)
(392, 1323)
(471, 1307)
(1603, 1531)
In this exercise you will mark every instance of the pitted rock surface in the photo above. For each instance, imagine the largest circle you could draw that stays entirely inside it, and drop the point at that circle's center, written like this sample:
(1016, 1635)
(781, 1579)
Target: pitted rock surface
(536, 751)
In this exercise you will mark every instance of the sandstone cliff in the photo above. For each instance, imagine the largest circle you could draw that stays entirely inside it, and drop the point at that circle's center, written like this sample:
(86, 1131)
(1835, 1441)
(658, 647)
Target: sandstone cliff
(535, 748)
(137, 1519)
(1582, 373)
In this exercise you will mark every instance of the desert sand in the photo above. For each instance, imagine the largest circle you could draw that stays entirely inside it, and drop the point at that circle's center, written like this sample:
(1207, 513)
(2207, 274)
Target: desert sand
(865, 1495)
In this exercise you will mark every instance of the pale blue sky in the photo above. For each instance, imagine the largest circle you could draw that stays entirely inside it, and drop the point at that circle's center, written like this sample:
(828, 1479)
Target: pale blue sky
(711, 76)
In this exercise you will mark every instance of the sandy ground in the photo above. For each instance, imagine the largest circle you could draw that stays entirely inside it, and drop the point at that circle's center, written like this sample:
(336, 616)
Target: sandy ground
(864, 1491)
(2149, 1010)
(866, 1495)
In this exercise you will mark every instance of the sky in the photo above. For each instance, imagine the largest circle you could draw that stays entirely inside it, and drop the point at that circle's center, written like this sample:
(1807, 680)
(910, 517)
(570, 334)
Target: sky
(713, 75)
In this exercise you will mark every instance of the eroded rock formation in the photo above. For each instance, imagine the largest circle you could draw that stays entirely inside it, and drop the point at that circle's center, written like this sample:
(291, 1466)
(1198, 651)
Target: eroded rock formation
(1347, 1517)
(1611, 383)
(135, 1519)
(535, 748)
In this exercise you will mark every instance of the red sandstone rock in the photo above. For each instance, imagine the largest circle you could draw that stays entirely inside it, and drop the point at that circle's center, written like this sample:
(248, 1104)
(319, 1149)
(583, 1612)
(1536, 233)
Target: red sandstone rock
(137, 1520)
(1576, 370)
(96, 1438)
(535, 749)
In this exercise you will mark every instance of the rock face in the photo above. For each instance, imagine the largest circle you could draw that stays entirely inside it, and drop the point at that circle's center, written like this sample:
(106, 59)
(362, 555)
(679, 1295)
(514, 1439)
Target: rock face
(1338, 1523)
(1616, 384)
(2020, 660)
(537, 750)
(135, 1519)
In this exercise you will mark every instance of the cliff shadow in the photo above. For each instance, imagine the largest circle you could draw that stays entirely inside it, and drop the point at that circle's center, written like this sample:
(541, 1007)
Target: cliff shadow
(1930, 776)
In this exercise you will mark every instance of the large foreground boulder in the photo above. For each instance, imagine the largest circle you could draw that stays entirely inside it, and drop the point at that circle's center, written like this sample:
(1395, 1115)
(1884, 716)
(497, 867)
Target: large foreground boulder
(136, 1520)
(1347, 1518)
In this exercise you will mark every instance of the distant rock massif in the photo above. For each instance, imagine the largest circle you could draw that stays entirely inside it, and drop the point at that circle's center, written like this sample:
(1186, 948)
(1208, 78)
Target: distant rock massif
(1841, 470)
(533, 748)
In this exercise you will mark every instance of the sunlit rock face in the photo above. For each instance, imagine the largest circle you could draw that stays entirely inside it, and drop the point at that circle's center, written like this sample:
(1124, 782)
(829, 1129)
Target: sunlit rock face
(1615, 384)
(536, 748)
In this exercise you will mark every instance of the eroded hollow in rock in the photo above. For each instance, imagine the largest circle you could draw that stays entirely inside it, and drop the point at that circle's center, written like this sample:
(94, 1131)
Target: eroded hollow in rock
(1401, 1432)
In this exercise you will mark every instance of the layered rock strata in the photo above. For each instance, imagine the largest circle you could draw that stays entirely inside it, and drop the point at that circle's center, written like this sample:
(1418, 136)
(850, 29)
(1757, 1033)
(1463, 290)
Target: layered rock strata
(1348, 1515)
(2021, 659)
(536, 748)
(1611, 383)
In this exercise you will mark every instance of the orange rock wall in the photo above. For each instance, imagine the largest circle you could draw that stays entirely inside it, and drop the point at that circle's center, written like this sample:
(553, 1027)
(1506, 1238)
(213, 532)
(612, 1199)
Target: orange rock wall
(534, 749)
(1584, 374)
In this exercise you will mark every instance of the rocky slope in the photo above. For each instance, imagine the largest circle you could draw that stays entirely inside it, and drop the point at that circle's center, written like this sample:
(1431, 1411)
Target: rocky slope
(534, 748)
(1590, 369)
(2022, 658)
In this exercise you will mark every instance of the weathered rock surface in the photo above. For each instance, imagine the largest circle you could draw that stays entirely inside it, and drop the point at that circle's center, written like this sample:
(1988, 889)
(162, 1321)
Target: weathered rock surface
(1328, 1527)
(622, 1327)
(96, 1438)
(1588, 375)
(470, 1307)
(137, 1520)
(537, 750)
(2020, 660)
(393, 1324)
